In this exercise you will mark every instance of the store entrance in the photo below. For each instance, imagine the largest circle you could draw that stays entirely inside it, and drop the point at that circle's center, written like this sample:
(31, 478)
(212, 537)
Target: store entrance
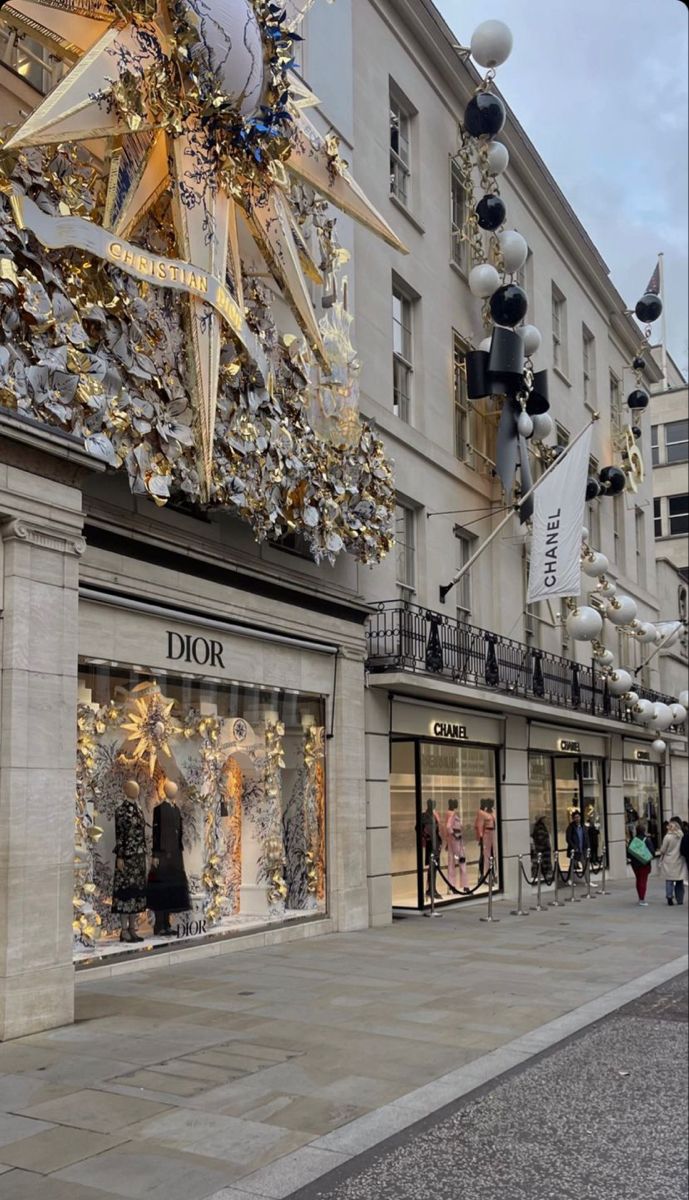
(559, 785)
(445, 795)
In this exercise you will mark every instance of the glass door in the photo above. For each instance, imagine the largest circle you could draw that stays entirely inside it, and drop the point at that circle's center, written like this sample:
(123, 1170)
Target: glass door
(404, 826)
(567, 798)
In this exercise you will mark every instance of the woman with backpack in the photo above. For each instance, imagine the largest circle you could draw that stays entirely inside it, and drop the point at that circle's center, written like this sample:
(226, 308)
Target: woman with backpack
(640, 853)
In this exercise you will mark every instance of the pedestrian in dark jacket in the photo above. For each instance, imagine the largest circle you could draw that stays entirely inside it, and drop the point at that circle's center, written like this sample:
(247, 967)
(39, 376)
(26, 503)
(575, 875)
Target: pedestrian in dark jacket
(642, 870)
(577, 839)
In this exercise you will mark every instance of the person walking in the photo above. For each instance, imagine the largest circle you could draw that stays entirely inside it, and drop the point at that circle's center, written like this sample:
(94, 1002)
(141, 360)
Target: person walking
(641, 869)
(673, 866)
(577, 842)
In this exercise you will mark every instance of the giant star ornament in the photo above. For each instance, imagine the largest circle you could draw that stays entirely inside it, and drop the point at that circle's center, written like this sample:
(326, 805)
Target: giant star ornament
(198, 97)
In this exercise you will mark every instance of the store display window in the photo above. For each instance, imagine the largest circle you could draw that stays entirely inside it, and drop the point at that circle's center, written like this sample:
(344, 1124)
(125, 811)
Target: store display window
(200, 808)
(443, 798)
(643, 800)
(559, 786)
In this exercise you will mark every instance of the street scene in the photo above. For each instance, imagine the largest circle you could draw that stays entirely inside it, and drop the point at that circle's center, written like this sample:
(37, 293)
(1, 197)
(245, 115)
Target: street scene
(344, 599)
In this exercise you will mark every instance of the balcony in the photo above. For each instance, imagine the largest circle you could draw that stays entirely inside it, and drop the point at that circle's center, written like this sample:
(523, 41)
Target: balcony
(403, 637)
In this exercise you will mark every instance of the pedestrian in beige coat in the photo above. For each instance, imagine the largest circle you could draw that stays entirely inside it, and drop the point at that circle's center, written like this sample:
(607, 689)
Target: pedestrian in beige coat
(673, 866)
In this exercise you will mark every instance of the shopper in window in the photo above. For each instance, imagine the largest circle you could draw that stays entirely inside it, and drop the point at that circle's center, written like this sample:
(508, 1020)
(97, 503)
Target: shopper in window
(673, 866)
(577, 841)
(642, 870)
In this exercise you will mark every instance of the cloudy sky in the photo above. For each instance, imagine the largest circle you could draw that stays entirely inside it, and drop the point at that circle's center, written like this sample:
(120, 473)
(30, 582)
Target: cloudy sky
(600, 86)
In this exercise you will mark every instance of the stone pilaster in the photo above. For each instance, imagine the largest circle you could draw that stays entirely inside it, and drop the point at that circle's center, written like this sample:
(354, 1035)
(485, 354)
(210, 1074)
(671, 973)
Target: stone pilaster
(40, 529)
(347, 797)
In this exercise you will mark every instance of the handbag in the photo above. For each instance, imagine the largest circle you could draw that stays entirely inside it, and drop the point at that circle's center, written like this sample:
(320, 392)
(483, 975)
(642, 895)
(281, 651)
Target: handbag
(638, 849)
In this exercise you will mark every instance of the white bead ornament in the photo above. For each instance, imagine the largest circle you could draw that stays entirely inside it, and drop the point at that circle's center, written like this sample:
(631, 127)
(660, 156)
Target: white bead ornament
(679, 714)
(663, 718)
(684, 699)
(491, 44)
(659, 747)
(621, 610)
(631, 698)
(531, 336)
(514, 250)
(643, 712)
(584, 624)
(542, 426)
(525, 425)
(645, 633)
(619, 682)
(497, 158)
(483, 280)
(598, 564)
(606, 588)
(606, 658)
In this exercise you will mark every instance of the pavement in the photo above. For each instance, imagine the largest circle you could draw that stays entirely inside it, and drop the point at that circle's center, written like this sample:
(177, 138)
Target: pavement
(603, 1116)
(256, 1073)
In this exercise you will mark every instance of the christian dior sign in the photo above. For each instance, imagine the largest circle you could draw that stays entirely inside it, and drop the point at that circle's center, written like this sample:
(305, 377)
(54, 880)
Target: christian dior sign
(204, 652)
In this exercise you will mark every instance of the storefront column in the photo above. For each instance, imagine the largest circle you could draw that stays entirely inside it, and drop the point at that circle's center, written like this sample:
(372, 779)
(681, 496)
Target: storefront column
(347, 797)
(617, 842)
(515, 801)
(378, 831)
(41, 542)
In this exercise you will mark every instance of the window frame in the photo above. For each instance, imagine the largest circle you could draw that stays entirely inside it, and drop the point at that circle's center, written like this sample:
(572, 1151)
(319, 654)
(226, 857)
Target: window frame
(655, 445)
(465, 548)
(402, 508)
(682, 441)
(462, 411)
(460, 250)
(683, 515)
(615, 394)
(401, 362)
(588, 359)
(559, 329)
(657, 517)
(400, 162)
(639, 540)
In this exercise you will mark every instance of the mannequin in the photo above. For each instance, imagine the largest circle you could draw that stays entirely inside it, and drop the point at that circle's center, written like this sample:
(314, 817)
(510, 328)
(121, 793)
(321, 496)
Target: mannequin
(168, 889)
(456, 854)
(430, 841)
(129, 882)
(593, 827)
(486, 835)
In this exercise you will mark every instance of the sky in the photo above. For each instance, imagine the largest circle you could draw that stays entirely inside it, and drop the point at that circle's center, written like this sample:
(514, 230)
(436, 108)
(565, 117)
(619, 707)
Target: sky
(600, 87)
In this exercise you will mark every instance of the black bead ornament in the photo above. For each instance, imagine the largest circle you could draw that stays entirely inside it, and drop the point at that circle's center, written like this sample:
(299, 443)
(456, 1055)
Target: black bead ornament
(649, 308)
(638, 399)
(509, 305)
(592, 488)
(484, 115)
(491, 212)
(639, 363)
(613, 481)
(636, 431)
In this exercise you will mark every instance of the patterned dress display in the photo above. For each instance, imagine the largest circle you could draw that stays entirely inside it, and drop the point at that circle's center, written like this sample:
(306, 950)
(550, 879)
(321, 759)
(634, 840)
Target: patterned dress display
(129, 883)
(168, 889)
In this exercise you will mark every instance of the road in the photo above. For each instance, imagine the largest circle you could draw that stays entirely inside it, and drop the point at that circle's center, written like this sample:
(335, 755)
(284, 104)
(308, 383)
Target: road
(603, 1116)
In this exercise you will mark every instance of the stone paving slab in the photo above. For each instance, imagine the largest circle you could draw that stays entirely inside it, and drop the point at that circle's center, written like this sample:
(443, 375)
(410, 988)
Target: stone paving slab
(255, 1073)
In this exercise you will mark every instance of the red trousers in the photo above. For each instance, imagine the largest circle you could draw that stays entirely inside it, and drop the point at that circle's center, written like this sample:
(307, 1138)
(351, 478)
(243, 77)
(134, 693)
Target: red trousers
(642, 873)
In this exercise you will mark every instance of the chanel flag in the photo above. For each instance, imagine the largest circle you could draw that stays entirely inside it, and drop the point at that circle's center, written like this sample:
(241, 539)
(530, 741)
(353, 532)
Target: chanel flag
(559, 506)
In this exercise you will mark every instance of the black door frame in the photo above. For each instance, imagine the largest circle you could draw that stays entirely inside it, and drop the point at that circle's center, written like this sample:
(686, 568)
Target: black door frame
(578, 759)
(421, 868)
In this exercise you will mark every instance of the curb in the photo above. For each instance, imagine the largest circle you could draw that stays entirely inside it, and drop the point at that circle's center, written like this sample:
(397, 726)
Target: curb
(285, 1177)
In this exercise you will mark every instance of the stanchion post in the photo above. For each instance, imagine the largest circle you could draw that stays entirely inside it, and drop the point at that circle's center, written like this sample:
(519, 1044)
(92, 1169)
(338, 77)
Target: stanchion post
(520, 911)
(556, 902)
(603, 891)
(572, 881)
(431, 879)
(539, 882)
(491, 880)
(587, 876)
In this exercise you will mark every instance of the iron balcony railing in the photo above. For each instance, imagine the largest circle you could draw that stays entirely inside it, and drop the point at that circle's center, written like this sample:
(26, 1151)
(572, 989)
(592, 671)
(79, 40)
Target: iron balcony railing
(404, 637)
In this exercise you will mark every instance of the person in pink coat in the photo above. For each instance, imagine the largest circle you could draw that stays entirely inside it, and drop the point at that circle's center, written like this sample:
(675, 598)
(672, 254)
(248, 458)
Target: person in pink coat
(456, 854)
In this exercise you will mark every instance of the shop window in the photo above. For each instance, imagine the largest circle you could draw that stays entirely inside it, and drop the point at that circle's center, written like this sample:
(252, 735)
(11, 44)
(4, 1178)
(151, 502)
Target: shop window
(200, 806)
(401, 117)
(678, 514)
(642, 800)
(676, 441)
(402, 353)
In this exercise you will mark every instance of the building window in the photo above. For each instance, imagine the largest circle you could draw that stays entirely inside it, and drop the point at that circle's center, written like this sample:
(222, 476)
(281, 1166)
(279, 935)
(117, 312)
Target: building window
(400, 149)
(32, 61)
(521, 277)
(593, 512)
(639, 539)
(402, 350)
(655, 445)
(678, 512)
(677, 441)
(562, 435)
(618, 510)
(616, 413)
(462, 407)
(405, 548)
(465, 546)
(559, 330)
(588, 349)
(532, 623)
(657, 518)
(458, 212)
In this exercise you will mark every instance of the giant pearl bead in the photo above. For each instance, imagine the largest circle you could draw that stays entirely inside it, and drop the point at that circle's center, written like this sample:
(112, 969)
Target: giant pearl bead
(662, 717)
(621, 611)
(484, 115)
(598, 564)
(584, 624)
(592, 488)
(684, 699)
(645, 633)
(679, 714)
(483, 281)
(605, 659)
(643, 712)
(497, 158)
(525, 425)
(532, 339)
(638, 399)
(491, 212)
(542, 426)
(619, 682)
(659, 747)
(491, 44)
(614, 481)
(514, 250)
(509, 305)
(649, 308)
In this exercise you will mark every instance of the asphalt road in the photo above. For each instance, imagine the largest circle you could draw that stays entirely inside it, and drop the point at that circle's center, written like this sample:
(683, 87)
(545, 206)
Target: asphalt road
(603, 1116)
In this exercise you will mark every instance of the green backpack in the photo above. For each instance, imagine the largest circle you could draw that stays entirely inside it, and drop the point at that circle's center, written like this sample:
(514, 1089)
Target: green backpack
(640, 851)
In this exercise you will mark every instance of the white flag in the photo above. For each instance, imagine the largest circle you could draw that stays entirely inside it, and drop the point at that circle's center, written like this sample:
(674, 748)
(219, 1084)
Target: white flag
(559, 507)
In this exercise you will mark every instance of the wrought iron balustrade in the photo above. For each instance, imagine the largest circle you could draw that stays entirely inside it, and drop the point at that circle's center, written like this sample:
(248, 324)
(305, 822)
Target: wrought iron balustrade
(405, 637)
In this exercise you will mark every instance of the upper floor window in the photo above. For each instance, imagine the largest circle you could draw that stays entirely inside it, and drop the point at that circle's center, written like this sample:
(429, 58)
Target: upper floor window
(405, 547)
(559, 310)
(561, 434)
(616, 412)
(593, 513)
(657, 518)
(678, 514)
(29, 58)
(458, 213)
(400, 148)
(465, 546)
(588, 354)
(462, 406)
(677, 441)
(639, 539)
(402, 353)
(655, 445)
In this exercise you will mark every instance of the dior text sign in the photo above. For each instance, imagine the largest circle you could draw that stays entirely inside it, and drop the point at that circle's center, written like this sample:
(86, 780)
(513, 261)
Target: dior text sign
(184, 647)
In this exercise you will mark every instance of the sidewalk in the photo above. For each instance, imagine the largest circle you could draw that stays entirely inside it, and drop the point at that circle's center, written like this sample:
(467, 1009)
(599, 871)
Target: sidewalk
(250, 1074)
